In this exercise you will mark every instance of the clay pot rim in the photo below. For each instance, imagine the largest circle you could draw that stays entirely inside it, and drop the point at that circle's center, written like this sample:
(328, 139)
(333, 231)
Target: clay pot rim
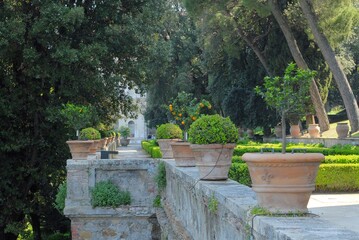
(168, 140)
(280, 157)
(180, 143)
(80, 141)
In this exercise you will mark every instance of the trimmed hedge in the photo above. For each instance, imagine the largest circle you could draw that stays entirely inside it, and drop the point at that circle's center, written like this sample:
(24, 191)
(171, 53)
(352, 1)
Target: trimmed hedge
(310, 148)
(152, 148)
(330, 178)
(338, 178)
(341, 159)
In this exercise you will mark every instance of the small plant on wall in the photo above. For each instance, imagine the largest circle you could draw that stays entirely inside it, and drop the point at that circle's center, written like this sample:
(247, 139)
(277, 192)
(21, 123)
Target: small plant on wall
(107, 194)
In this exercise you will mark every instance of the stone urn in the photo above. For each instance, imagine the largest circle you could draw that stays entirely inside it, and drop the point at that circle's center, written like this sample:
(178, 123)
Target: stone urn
(314, 130)
(183, 154)
(295, 131)
(213, 160)
(80, 149)
(278, 131)
(124, 142)
(342, 130)
(165, 147)
(283, 183)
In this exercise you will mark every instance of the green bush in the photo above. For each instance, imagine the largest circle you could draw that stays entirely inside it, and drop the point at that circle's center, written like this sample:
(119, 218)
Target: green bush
(239, 172)
(237, 159)
(90, 134)
(107, 194)
(338, 178)
(168, 131)
(341, 159)
(212, 129)
(124, 131)
(151, 147)
(59, 236)
(60, 197)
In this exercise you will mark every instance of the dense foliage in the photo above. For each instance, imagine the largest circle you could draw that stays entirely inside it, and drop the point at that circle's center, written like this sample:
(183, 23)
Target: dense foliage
(90, 134)
(169, 131)
(86, 53)
(210, 129)
(107, 194)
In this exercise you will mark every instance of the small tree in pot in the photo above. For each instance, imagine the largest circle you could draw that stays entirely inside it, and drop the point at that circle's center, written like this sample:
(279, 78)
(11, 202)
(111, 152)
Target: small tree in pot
(213, 139)
(124, 133)
(283, 182)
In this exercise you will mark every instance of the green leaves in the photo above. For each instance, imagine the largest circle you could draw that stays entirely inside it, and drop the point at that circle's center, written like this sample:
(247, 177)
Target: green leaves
(107, 194)
(169, 131)
(212, 129)
(290, 93)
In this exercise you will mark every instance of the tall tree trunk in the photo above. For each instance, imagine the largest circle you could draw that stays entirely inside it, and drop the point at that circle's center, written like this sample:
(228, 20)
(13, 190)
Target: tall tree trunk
(35, 222)
(298, 58)
(351, 105)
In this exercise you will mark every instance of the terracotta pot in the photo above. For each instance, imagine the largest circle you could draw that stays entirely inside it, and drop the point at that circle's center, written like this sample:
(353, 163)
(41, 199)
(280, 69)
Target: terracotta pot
(314, 130)
(124, 142)
(93, 147)
(295, 131)
(213, 160)
(283, 182)
(278, 131)
(342, 130)
(80, 149)
(103, 143)
(183, 154)
(165, 147)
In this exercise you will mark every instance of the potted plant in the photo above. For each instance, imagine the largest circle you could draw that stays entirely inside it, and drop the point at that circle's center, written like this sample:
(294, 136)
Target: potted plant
(165, 135)
(124, 132)
(283, 182)
(213, 139)
(77, 117)
(91, 134)
(184, 110)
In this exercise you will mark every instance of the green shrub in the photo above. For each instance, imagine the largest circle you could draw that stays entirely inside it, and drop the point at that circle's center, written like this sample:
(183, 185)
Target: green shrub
(168, 131)
(59, 236)
(90, 134)
(107, 194)
(156, 152)
(341, 159)
(237, 159)
(60, 197)
(151, 147)
(213, 129)
(338, 178)
(239, 172)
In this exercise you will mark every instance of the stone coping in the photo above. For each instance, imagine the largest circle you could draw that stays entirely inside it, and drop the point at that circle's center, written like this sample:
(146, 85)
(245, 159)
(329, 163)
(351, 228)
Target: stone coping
(239, 199)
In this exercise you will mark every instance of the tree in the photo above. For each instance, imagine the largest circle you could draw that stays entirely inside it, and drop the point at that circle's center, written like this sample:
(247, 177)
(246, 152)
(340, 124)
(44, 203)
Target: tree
(346, 92)
(298, 58)
(51, 53)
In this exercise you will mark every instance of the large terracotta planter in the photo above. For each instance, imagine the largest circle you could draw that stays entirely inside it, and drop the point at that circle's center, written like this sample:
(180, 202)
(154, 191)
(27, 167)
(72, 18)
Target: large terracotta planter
(165, 147)
(213, 160)
(94, 146)
(295, 131)
(342, 130)
(80, 149)
(314, 130)
(283, 183)
(183, 154)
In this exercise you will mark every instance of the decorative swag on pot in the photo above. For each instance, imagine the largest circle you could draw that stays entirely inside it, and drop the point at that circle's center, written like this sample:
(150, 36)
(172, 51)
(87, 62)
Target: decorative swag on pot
(213, 139)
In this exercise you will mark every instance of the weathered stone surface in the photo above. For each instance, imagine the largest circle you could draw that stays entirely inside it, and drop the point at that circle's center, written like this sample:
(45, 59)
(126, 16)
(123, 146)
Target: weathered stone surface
(189, 200)
(136, 221)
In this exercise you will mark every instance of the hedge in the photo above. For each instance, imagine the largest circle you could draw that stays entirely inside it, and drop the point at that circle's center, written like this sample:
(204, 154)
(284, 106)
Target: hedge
(152, 148)
(338, 178)
(330, 178)
(328, 159)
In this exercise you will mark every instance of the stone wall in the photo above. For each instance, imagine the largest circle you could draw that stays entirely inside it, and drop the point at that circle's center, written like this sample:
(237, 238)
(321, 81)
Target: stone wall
(187, 202)
(137, 221)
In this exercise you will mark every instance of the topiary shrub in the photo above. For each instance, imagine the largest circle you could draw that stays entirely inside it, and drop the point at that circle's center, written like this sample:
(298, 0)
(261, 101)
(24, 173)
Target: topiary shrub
(124, 131)
(107, 194)
(90, 134)
(210, 129)
(168, 131)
